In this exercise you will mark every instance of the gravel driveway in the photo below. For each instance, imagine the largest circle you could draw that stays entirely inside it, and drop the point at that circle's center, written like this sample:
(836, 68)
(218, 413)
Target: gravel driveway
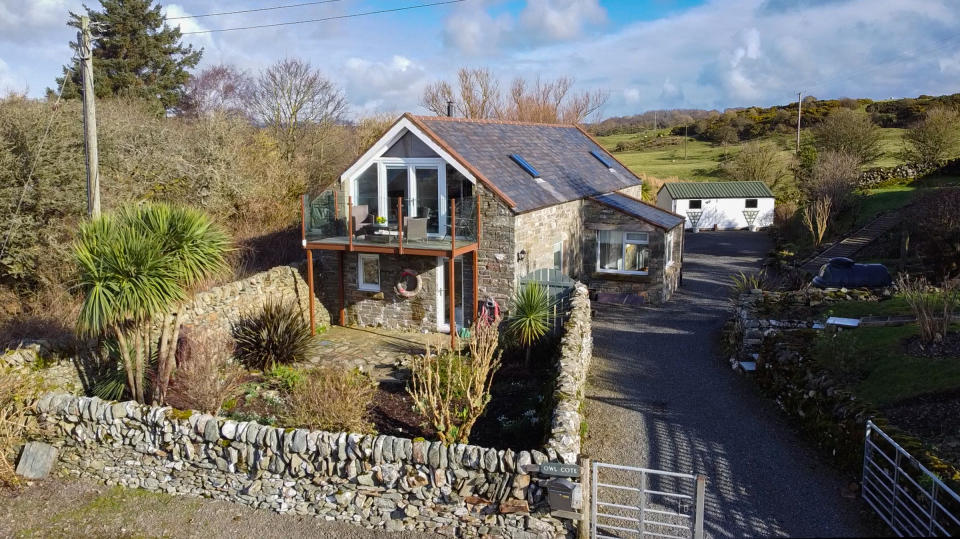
(661, 396)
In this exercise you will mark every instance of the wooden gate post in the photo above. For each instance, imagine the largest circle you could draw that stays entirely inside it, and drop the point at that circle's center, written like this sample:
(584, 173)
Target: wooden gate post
(698, 514)
(583, 530)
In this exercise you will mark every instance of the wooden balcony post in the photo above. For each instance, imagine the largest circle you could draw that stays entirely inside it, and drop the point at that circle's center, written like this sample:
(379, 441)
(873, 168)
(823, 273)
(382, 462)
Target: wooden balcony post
(303, 223)
(350, 222)
(313, 322)
(451, 314)
(342, 315)
(479, 219)
(400, 223)
(476, 288)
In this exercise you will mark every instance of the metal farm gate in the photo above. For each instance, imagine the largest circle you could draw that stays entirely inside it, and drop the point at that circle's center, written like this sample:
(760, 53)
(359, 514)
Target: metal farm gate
(905, 494)
(630, 502)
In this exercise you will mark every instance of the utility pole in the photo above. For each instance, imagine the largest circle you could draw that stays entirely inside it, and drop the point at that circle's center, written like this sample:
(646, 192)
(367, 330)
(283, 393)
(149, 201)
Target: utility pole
(685, 141)
(89, 119)
(799, 106)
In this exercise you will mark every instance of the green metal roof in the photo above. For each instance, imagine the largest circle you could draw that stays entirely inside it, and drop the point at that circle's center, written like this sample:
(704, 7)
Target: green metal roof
(717, 190)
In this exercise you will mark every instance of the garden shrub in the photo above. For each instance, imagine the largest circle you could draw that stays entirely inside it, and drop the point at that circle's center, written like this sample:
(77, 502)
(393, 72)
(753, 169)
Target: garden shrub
(933, 307)
(451, 390)
(206, 378)
(332, 399)
(276, 336)
(284, 377)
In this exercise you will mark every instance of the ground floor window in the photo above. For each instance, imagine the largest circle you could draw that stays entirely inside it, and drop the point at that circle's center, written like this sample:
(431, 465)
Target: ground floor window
(368, 272)
(751, 203)
(622, 252)
(668, 248)
(558, 256)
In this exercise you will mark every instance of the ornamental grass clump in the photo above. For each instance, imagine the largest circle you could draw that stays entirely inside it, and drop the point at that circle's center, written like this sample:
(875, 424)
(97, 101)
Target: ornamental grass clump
(933, 307)
(332, 399)
(278, 335)
(206, 377)
(451, 390)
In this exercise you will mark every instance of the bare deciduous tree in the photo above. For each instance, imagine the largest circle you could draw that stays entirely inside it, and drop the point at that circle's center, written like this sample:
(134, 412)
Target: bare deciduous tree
(759, 162)
(936, 138)
(290, 96)
(478, 95)
(850, 132)
(221, 88)
(834, 176)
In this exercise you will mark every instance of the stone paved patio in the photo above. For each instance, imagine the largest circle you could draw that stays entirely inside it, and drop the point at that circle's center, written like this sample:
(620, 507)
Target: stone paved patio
(383, 353)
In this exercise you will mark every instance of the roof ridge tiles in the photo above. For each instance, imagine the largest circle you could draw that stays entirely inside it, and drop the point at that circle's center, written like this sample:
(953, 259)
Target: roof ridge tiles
(490, 121)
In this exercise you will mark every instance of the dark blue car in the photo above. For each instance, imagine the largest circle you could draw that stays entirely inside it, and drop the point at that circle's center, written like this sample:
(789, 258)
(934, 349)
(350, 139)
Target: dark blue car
(845, 273)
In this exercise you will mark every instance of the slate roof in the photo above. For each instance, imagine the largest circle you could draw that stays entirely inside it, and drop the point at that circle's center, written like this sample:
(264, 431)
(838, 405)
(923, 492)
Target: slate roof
(560, 153)
(717, 190)
(641, 210)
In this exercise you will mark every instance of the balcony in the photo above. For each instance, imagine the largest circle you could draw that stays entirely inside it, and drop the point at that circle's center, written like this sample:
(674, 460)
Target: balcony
(331, 220)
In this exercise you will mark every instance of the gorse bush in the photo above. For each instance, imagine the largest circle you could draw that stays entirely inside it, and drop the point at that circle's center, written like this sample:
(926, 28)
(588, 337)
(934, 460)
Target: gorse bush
(332, 399)
(276, 336)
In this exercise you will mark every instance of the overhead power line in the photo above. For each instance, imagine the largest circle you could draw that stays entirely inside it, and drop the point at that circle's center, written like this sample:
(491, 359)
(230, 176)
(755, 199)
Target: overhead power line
(253, 10)
(348, 16)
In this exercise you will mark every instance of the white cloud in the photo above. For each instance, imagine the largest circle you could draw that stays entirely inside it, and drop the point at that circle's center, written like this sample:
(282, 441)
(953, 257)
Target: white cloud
(561, 19)
(473, 31)
(22, 19)
(379, 86)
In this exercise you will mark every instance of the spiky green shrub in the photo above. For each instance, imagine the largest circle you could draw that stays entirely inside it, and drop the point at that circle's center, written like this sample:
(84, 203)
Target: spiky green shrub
(276, 336)
(530, 318)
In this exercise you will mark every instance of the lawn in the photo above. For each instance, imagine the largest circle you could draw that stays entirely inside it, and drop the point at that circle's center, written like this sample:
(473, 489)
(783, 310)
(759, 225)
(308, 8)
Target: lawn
(894, 197)
(884, 372)
(857, 309)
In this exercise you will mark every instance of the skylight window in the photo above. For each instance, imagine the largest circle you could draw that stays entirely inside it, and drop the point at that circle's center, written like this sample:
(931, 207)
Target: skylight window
(602, 158)
(525, 166)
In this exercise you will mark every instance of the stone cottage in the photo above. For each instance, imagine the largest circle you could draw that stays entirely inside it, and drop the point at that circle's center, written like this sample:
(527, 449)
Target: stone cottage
(443, 215)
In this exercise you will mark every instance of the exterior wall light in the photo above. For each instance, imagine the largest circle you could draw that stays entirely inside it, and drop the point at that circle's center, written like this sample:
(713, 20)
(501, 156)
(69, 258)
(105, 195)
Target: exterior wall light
(521, 255)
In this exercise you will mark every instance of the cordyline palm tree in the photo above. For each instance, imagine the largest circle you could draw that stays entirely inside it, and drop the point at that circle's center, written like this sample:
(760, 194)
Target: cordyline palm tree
(135, 267)
(530, 319)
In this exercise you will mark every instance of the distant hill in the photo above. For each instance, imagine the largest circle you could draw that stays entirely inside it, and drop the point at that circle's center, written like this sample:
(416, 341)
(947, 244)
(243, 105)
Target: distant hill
(740, 124)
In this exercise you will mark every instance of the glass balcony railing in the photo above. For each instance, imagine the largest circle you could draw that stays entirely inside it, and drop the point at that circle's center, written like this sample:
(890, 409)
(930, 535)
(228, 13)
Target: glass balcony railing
(332, 218)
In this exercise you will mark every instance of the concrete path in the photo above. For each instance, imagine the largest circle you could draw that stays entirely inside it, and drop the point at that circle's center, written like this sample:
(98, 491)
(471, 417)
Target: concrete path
(661, 396)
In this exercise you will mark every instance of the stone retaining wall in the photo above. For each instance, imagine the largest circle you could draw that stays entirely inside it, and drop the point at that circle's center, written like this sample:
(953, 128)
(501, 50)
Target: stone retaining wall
(876, 176)
(381, 482)
(576, 350)
(222, 306)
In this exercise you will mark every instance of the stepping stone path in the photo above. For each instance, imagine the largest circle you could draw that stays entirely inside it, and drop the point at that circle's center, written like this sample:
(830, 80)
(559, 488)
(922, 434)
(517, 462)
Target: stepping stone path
(384, 354)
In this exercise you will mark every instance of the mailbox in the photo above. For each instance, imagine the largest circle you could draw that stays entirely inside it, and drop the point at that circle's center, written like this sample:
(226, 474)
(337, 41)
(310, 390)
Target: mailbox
(564, 495)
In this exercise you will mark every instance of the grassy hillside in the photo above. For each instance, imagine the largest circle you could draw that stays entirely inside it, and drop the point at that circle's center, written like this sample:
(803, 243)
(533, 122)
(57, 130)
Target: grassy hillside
(665, 157)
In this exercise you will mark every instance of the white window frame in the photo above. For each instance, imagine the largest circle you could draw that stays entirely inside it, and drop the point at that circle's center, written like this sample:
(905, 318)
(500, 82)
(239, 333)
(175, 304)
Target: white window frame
(411, 164)
(361, 285)
(558, 248)
(623, 252)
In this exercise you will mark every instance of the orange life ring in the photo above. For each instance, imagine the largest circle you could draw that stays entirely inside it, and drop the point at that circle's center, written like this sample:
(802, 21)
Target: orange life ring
(402, 290)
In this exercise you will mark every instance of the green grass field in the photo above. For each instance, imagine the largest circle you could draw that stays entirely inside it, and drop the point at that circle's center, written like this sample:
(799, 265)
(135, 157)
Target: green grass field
(703, 159)
(894, 197)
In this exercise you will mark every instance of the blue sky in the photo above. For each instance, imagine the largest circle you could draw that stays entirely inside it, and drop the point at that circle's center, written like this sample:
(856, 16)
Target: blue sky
(646, 53)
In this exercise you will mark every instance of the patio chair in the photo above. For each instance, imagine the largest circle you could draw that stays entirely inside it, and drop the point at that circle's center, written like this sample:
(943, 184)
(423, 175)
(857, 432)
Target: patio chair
(360, 215)
(415, 228)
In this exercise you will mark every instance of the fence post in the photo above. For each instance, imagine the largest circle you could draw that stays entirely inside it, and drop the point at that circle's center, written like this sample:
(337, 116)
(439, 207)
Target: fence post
(643, 501)
(586, 486)
(593, 500)
(698, 515)
(933, 509)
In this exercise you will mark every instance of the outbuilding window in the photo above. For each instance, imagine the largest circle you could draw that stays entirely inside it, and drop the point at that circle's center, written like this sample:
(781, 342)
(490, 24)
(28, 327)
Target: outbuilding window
(695, 204)
(751, 203)
(368, 272)
(622, 252)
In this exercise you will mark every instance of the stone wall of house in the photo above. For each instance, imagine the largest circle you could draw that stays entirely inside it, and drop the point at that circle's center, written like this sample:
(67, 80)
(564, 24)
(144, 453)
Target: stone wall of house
(576, 351)
(497, 255)
(381, 482)
(660, 282)
(222, 306)
(538, 231)
(635, 191)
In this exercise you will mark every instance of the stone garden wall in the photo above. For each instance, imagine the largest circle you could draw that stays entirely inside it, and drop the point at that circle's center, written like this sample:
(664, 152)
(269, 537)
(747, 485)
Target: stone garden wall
(381, 482)
(576, 350)
(876, 176)
(222, 306)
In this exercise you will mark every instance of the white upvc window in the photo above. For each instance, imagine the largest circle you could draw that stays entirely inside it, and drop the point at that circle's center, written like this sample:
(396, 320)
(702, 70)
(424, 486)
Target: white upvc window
(558, 256)
(422, 182)
(368, 272)
(622, 252)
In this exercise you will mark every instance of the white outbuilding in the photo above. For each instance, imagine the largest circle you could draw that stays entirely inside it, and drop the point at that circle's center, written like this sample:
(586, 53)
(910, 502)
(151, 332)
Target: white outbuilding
(719, 205)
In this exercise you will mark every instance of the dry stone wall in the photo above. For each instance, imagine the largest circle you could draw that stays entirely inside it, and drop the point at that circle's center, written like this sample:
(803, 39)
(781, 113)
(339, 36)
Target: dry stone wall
(576, 350)
(381, 482)
(222, 306)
